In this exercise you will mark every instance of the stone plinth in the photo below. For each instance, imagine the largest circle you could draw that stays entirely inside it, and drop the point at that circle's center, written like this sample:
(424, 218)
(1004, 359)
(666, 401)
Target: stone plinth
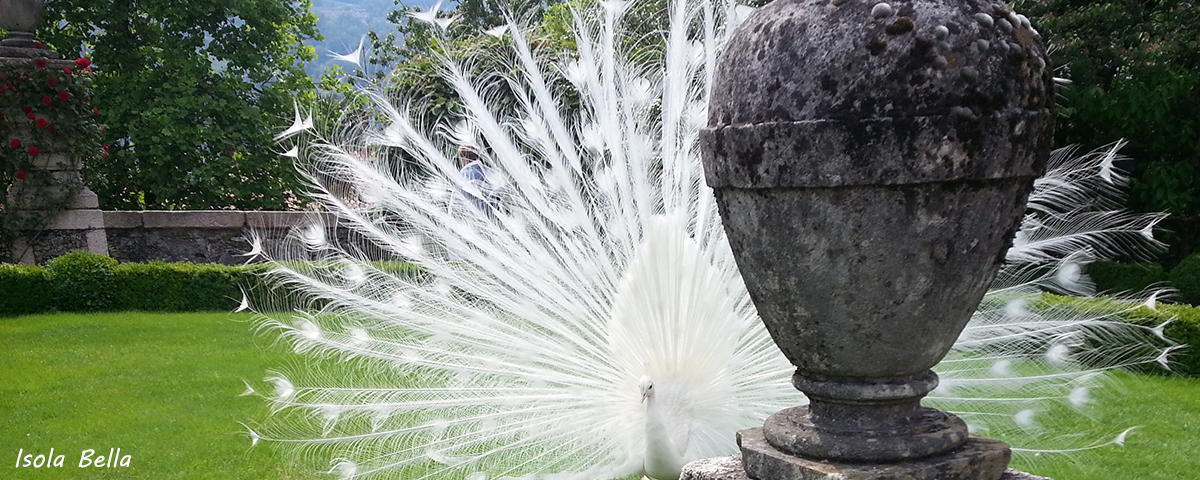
(732, 468)
(79, 227)
(977, 459)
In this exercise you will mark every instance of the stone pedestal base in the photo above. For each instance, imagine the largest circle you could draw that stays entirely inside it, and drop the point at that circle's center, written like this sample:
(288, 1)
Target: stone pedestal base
(732, 468)
(978, 459)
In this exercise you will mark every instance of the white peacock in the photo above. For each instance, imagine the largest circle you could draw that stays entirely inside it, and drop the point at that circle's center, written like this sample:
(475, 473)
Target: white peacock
(594, 325)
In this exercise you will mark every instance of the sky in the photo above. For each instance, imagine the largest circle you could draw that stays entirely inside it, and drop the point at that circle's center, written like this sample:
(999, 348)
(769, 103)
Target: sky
(344, 22)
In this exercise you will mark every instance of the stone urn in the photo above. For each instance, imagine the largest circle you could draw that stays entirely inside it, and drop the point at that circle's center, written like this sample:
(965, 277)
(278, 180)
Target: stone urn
(871, 162)
(21, 18)
(20, 15)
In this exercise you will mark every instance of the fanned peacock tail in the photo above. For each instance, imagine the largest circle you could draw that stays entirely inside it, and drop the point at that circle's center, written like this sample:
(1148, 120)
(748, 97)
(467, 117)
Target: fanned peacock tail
(594, 258)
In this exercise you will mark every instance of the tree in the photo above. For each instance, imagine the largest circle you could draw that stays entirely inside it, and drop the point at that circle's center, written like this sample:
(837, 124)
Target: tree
(191, 93)
(1135, 72)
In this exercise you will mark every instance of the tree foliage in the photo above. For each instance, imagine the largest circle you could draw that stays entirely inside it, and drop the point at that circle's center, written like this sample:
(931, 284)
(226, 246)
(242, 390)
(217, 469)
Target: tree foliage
(191, 93)
(1135, 72)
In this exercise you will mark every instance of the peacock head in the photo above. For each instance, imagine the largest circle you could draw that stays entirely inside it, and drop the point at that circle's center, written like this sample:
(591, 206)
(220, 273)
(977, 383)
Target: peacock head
(646, 385)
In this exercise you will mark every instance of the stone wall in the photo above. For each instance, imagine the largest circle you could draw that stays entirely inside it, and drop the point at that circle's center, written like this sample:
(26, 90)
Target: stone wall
(198, 236)
(202, 236)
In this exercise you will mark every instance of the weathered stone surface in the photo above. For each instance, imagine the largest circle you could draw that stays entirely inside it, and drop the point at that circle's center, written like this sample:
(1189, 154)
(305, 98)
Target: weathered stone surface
(48, 245)
(978, 459)
(179, 244)
(891, 155)
(732, 468)
(122, 219)
(871, 161)
(838, 430)
(77, 220)
(21, 15)
(194, 219)
(194, 238)
(801, 60)
(259, 219)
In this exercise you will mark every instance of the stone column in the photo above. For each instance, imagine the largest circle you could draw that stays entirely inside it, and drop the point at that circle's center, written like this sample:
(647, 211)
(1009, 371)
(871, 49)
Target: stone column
(81, 225)
(871, 162)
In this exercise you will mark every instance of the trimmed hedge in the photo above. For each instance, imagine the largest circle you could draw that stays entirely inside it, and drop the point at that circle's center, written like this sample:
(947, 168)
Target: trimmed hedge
(1184, 328)
(1135, 277)
(1185, 277)
(82, 281)
(23, 290)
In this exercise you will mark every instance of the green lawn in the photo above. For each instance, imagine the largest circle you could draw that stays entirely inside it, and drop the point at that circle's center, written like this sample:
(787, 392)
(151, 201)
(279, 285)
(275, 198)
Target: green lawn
(161, 387)
(164, 389)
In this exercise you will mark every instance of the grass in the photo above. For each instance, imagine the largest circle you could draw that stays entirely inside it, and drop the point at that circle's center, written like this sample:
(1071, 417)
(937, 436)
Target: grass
(1163, 446)
(161, 387)
(164, 388)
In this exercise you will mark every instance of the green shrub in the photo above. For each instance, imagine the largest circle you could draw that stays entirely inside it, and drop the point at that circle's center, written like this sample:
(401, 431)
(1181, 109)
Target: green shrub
(1185, 278)
(82, 281)
(177, 287)
(1113, 277)
(1184, 328)
(23, 290)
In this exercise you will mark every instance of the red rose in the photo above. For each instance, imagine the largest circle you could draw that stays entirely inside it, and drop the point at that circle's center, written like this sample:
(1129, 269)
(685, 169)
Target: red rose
(33, 151)
(39, 44)
(46, 100)
(82, 62)
(1, 89)
(106, 148)
(67, 71)
(95, 111)
(40, 63)
(52, 82)
(31, 116)
(89, 69)
(15, 143)
(20, 175)
(41, 122)
(64, 96)
(50, 128)
(27, 109)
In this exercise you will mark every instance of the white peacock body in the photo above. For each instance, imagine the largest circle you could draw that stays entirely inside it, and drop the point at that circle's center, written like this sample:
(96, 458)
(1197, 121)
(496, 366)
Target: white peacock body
(594, 324)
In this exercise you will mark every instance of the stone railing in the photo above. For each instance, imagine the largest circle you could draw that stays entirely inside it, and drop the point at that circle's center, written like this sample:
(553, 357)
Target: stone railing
(201, 236)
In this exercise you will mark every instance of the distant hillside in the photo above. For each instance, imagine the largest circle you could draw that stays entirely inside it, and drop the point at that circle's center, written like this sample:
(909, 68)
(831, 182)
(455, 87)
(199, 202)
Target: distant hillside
(344, 22)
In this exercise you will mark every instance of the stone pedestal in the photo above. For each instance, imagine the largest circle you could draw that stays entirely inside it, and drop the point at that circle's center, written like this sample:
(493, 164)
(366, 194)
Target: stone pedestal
(81, 225)
(733, 468)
